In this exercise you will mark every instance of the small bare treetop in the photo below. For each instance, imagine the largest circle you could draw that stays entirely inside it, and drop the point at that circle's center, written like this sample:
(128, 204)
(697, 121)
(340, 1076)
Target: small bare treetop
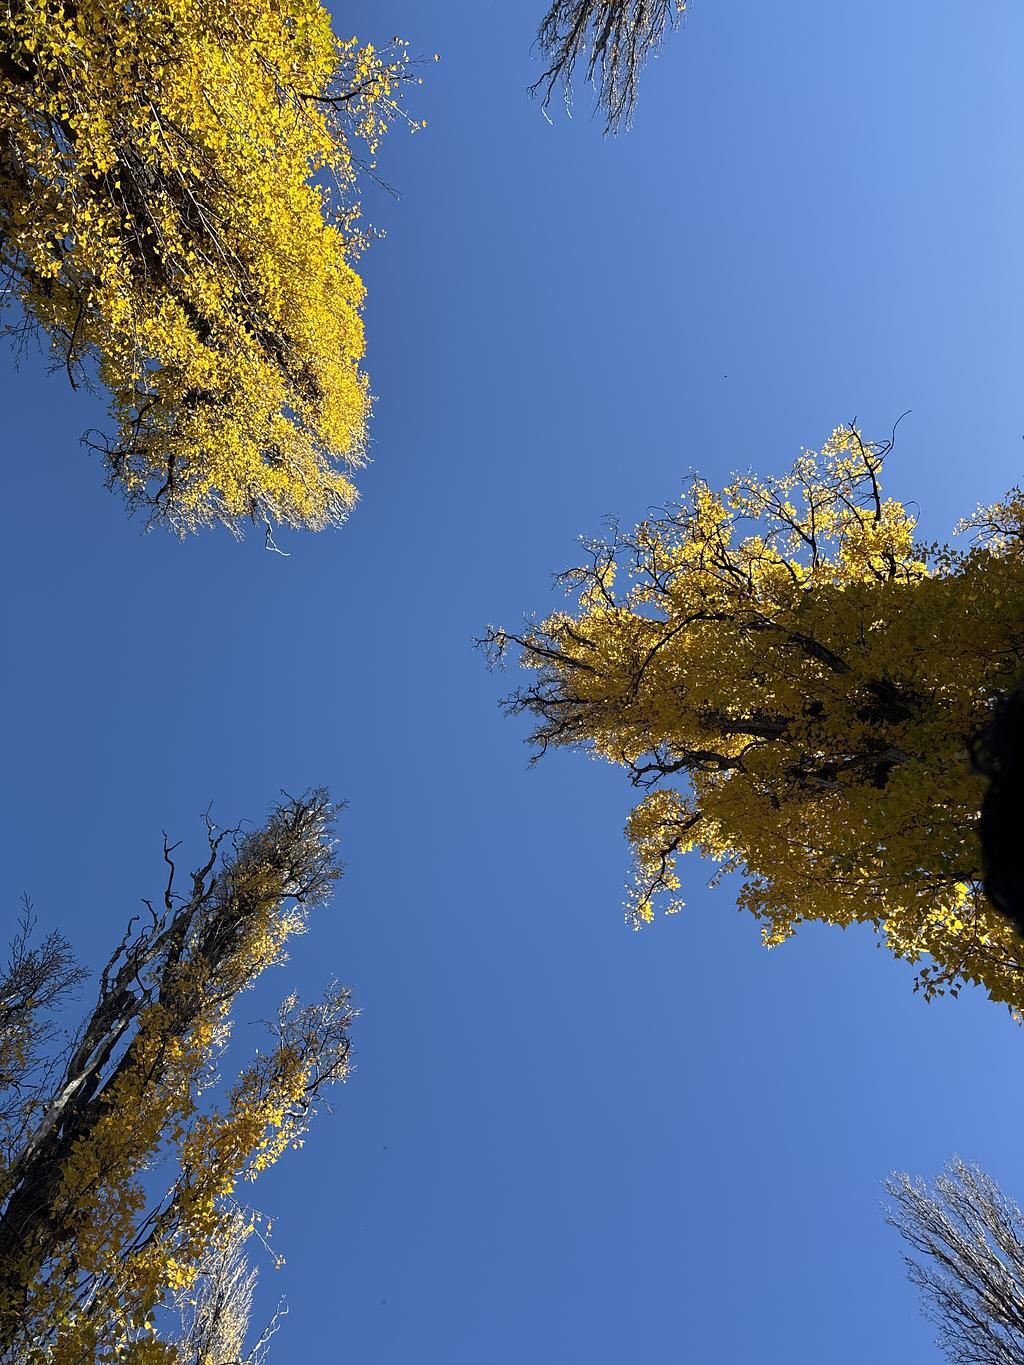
(970, 1238)
(215, 1310)
(613, 39)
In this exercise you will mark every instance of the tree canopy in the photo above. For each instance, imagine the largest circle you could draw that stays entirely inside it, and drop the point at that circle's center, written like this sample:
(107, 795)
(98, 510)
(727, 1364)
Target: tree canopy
(794, 682)
(120, 1153)
(178, 215)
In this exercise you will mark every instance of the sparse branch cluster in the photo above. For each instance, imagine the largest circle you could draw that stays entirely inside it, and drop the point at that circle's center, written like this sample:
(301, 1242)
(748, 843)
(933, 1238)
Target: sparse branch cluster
(38, 978)
(611, 41)
(968, 1237)
(89, 1245)
(215, 1310)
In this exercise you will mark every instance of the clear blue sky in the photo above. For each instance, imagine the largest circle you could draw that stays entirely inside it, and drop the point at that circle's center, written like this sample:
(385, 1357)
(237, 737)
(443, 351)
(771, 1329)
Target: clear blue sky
(564, 1141)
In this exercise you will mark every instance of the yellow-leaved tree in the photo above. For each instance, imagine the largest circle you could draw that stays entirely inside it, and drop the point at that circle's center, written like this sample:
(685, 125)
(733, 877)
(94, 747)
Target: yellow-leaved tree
(794, 682)
(177, 214)
(120, 1152)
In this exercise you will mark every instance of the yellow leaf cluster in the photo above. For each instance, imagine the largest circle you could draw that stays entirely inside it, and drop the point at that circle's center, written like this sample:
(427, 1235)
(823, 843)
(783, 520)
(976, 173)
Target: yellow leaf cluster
(813, 676)
(177, 213)
(146, 1191)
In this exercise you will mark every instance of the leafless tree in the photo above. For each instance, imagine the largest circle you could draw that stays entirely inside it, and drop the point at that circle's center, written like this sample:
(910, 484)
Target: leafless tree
(970, 1265)
(216, 1309)
(611, 39)
(35, 982)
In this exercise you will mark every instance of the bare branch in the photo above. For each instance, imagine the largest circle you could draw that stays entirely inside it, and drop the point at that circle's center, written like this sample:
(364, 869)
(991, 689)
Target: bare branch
(969, 1240)
(612, 39)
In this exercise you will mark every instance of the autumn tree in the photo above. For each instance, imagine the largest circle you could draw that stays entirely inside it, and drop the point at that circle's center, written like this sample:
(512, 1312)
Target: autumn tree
(794, 683)
(121, 1153)
(178, 216)
(969, 1263)
(610, 40)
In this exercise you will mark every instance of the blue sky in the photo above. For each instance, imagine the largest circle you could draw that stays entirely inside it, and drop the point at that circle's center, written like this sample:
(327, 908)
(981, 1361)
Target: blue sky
(563, 1141)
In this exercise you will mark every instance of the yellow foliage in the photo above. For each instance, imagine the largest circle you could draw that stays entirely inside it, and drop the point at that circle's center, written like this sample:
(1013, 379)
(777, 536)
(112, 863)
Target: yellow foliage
(177, 212)
(814, 676)
(110, 1204)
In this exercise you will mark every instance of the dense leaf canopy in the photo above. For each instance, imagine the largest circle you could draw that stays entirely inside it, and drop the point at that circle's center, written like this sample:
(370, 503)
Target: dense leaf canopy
(814, 676)
(177, 214)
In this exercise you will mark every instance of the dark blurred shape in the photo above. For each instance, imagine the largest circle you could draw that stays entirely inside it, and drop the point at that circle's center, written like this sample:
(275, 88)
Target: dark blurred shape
(998, 754)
